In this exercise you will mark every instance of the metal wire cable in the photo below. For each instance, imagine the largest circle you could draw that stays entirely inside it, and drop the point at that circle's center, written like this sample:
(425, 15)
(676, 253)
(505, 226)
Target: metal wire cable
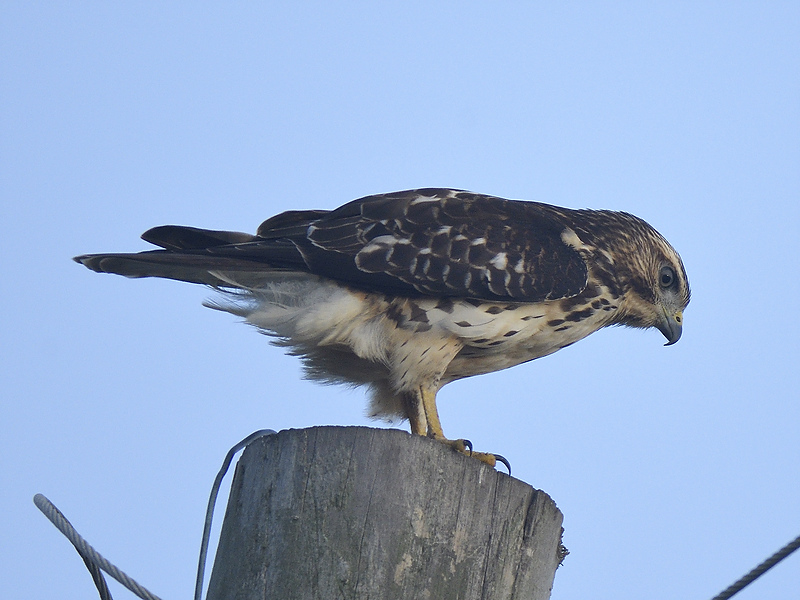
(94, 561)
(759, 570)
(89, 554)
(97, 578)
(212, 500)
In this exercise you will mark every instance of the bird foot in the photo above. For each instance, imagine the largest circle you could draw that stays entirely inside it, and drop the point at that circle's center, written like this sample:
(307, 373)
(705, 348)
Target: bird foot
(465, 447)
(492, 459)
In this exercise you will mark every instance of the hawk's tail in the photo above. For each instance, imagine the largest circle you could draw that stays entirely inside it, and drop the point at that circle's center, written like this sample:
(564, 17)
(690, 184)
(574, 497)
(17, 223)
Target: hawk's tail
(217, 258)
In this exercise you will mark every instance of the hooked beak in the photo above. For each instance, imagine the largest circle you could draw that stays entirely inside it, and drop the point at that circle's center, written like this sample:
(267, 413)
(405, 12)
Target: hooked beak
(671, 326)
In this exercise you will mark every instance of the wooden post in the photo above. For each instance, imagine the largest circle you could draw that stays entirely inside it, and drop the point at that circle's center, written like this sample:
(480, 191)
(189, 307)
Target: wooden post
(362, 513)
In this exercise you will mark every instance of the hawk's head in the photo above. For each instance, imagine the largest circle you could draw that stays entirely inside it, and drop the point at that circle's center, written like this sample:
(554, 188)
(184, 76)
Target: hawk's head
(651, 277)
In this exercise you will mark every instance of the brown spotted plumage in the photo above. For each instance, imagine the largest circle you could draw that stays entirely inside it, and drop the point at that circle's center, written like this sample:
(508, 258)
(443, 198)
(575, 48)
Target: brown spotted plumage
(405, 292)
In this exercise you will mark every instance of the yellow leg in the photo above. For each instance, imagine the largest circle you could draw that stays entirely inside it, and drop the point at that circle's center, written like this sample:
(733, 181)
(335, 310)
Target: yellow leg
(435, 426)
(431, 414)
(424, 417)
(435, 431)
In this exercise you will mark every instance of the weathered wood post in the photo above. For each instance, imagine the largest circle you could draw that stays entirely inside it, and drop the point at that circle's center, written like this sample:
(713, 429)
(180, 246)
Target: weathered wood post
(357, 513)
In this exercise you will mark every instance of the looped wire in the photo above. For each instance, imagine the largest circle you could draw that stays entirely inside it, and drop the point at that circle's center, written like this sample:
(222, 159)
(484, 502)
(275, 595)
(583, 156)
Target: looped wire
(212, 500)
(93, 559)
(96, 563)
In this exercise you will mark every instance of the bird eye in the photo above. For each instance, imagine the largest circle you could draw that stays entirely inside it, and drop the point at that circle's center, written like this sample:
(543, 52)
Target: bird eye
(666, 277)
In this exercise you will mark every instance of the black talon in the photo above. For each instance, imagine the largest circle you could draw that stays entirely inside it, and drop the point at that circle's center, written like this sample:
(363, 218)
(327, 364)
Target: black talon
(468, 444)
(503, 460)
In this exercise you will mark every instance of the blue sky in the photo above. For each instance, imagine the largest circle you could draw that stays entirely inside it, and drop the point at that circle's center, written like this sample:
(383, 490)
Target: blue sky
(676, 468)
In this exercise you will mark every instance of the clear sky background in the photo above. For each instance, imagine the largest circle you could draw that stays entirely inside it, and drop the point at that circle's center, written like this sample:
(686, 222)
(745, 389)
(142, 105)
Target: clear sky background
(677, 469)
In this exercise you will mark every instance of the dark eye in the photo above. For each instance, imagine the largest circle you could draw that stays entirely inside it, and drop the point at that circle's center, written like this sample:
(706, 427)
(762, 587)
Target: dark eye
(666, 277)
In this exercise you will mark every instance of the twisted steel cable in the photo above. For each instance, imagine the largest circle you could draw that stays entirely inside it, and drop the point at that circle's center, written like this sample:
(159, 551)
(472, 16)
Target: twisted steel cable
(759, 570)
(90, 556)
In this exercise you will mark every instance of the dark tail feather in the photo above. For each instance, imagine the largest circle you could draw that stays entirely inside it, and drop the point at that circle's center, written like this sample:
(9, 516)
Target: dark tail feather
(210, 270)
(177, 237)
(226, 259)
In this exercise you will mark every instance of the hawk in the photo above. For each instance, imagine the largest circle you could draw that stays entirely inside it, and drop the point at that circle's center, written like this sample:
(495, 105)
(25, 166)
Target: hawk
(407, 291)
